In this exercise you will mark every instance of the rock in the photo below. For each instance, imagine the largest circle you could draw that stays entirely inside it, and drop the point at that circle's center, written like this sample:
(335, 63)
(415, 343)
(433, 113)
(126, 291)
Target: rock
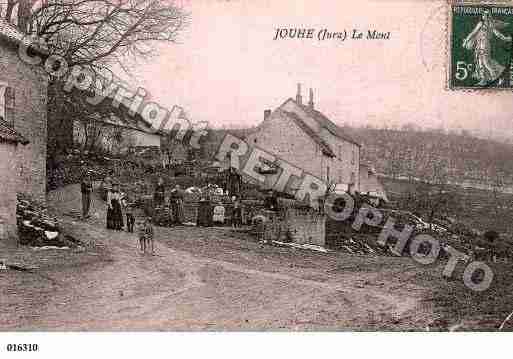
(35, 227)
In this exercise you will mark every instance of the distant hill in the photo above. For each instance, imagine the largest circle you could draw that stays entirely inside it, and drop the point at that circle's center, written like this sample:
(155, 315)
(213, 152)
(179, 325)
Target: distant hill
(432, 156)
(211, 142)
(423, 155)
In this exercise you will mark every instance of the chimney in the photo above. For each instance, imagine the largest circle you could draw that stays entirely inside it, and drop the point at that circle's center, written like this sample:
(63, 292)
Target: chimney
(267, 113)
(311, 102)
(299, 99)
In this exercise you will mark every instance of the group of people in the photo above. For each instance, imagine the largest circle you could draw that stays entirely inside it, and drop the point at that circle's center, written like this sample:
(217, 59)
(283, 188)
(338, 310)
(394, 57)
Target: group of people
(175, 200)
(114, 209)
(117, 203)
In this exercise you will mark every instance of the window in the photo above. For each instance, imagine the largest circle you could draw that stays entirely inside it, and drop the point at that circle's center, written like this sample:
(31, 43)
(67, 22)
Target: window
(353, 178)
(340, 152)
(9, 105)
(7, 102)
(3, 87)
(353, 157)
(327, 173)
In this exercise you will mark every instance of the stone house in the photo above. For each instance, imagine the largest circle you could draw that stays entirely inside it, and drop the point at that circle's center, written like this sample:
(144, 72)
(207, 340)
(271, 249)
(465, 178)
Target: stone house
(9, 147)
(23, 98)
(22, 121)
(306, 138)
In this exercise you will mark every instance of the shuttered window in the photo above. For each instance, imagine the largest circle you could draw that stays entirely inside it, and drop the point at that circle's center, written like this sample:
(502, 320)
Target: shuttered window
(3, 86)
(9, 104)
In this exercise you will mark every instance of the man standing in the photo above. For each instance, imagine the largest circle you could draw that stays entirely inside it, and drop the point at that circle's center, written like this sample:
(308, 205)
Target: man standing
(86, 187)
(158, 196)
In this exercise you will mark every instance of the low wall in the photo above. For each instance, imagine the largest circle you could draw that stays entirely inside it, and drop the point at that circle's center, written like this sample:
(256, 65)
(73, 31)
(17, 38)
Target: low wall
(298, 225)
(306, 226)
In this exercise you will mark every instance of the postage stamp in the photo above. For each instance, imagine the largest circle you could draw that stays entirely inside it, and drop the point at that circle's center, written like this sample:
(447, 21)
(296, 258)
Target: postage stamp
(480, 47)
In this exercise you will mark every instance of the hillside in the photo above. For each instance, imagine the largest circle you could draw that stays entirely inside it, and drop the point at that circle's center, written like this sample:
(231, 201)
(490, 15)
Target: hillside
(425, 156)
(437, 157)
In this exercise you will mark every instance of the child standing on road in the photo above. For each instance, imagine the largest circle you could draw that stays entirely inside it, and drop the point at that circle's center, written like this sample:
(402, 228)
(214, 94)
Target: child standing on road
(141, 233)
(146, 235)
(149, 235)
(237, 212)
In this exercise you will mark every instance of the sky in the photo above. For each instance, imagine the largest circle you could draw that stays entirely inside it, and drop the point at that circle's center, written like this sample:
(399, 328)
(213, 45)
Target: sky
(227, 69)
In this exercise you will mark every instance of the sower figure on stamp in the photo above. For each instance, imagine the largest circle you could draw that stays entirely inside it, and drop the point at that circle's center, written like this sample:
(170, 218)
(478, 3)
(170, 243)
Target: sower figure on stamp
(480, 41)
(86, 187)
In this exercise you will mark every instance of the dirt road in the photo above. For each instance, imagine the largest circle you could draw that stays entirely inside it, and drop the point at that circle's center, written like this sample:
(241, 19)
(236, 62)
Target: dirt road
(206, 279)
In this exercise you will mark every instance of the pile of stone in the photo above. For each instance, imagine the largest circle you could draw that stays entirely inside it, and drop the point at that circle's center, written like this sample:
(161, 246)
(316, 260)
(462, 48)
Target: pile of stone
(36, 227)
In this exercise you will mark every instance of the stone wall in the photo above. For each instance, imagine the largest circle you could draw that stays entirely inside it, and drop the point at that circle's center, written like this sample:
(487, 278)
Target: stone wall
(8, 189)
(29, 83)
(306, 226)
(295, 224)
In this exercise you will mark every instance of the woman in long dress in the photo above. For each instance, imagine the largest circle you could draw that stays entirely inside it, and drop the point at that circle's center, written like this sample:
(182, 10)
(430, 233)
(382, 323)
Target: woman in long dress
(114, 212)
(110, 215)
(177, 205)
(479, 40)
(158, 196)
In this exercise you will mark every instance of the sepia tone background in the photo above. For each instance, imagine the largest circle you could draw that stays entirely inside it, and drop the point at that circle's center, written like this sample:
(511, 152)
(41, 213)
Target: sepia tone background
(229, 58)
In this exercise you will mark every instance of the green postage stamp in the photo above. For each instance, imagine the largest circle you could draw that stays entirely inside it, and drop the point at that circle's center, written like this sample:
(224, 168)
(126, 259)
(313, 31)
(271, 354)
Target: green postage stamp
(481, 47)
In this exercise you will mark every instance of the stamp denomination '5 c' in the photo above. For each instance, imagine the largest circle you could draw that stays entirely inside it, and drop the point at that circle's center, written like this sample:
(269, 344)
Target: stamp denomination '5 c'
(481, 47)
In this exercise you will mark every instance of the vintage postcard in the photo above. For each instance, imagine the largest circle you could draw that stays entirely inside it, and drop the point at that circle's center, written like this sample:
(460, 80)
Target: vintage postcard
(255, 165)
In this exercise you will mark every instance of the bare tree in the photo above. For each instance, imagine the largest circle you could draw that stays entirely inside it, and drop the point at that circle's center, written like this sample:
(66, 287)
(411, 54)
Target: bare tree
(94, 34)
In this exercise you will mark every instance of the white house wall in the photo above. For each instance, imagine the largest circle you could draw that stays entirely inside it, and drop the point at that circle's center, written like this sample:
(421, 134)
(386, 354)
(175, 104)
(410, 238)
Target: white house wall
(344, 164)
(283, 138)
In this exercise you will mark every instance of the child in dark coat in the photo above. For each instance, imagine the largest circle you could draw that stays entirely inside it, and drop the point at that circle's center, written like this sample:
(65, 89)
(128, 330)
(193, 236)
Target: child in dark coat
(146, 235)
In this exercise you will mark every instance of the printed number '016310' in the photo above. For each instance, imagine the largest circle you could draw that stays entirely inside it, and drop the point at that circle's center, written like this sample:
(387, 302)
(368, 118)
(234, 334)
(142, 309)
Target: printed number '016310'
(22, 347)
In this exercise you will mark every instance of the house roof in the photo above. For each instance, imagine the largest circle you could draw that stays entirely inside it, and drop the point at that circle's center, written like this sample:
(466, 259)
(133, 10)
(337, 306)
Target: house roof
(317, 139)
(7, 133)
(327, 124)
(324, 122)
(13, 35)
